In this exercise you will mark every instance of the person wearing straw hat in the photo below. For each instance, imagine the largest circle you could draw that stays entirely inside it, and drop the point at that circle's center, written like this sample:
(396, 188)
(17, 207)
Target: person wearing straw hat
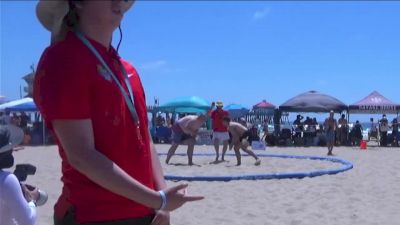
(94, 104)
(220, 132)
(17, 202)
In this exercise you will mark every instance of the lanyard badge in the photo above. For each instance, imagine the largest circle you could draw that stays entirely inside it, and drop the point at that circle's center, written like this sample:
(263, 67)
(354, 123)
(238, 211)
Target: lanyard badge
(129, 98)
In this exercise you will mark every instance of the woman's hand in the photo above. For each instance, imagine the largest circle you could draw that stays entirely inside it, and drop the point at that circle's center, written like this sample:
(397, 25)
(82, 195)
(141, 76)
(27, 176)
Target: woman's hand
(30, 193)
(177, 196)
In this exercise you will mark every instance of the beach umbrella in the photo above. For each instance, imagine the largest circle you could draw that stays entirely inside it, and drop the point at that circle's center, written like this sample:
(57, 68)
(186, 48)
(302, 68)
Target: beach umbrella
(186, 104)
(24, 104)
(236, 110)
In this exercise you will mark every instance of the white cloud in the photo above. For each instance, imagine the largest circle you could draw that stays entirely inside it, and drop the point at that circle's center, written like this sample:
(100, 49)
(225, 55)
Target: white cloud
(159, 66)
(261, 14)
(155, 65)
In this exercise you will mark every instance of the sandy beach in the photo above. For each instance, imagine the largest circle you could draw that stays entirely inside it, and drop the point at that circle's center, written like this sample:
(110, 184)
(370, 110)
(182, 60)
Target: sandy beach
(369, 194)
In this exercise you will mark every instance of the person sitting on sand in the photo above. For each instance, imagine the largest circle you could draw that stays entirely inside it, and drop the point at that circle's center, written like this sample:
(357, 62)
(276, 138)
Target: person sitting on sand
(184, 131)
(330, 126)
(239, 135)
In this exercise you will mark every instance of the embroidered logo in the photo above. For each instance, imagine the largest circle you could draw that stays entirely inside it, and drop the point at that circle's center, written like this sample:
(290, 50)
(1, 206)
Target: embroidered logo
(103, 72)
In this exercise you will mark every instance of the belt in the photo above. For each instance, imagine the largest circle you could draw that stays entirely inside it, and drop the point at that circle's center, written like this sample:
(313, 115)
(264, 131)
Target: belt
(136, 221)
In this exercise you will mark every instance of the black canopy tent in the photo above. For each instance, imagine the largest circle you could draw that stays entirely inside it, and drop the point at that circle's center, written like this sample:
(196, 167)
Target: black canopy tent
(314, 102)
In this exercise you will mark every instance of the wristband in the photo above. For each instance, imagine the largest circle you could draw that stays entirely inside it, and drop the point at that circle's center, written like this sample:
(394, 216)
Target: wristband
(32, 204)
(163, 199)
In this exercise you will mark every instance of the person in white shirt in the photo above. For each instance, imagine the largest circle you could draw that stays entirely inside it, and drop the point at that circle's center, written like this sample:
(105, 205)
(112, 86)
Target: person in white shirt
(17, 202)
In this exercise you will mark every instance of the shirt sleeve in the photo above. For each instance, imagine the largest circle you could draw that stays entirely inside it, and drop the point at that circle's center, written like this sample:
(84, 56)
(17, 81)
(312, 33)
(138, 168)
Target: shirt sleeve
(62, 87)
(22, 211)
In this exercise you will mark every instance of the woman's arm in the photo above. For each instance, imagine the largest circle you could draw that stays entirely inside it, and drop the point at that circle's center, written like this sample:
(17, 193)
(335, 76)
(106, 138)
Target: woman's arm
(76, 137)
(22, 211)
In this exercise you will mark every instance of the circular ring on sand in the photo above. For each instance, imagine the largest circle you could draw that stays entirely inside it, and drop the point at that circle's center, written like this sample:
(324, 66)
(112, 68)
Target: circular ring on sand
(267, 176)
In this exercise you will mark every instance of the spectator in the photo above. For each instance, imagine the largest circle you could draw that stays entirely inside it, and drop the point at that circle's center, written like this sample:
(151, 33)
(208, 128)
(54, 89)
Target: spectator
(24, 120)
(383, 129)
(253, 135)
(17, 202)
(373, 130)
(2, 118)
(7, 118)
(357, 134)
(299, 126)
(343, 130)
(395, 132)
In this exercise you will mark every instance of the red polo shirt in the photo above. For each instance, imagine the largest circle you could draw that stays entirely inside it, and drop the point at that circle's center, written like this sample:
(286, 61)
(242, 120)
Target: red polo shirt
(217, 117)
(71, 83)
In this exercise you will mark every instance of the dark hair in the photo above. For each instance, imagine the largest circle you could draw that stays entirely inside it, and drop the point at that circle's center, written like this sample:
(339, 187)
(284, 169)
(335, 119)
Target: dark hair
(6, 160)
(227, 119)
(72, 18)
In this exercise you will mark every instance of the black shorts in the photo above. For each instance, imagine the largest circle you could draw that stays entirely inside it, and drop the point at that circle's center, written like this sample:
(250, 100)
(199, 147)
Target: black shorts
(69, 219)
(245, 136)
(178, 136)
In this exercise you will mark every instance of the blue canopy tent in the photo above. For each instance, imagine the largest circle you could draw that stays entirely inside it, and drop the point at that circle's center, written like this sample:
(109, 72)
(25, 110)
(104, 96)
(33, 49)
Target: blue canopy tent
(236, 110)
(186, 104)
(24, 104)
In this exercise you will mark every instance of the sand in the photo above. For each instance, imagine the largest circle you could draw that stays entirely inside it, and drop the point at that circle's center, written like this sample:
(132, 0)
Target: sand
(369, 194)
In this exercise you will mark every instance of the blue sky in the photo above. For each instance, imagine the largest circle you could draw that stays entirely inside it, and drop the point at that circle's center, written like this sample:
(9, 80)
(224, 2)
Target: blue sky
(236, 51)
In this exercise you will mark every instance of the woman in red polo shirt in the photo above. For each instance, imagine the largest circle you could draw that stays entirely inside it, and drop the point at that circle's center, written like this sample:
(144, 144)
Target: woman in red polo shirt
(95, 105)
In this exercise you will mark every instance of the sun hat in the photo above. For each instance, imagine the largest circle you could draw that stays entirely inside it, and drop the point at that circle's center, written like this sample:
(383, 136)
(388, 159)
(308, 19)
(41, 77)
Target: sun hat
(219, 104)
(51, 13)
(10, 136)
